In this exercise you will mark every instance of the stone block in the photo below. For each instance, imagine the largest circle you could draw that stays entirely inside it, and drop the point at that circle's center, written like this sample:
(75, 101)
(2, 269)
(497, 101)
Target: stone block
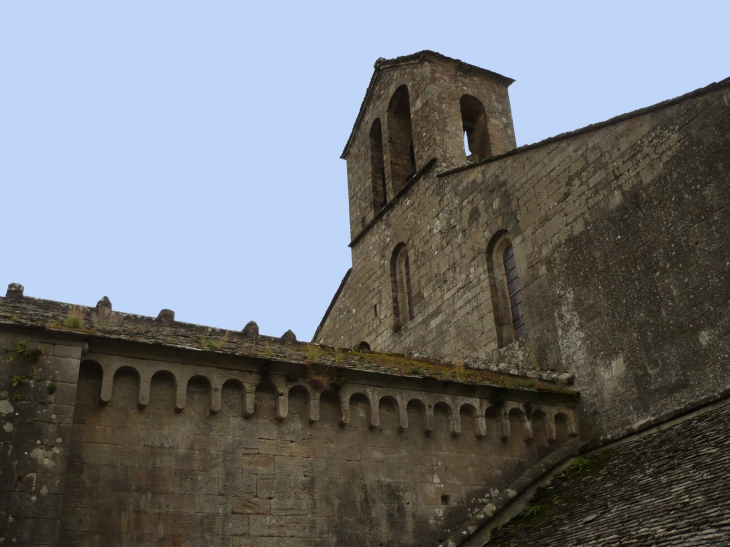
(235, 525)
(192, 481)
(267, 526)
(289, 507)
(250, 506)
(259, 464)
(216, 504)
(233, 482)
(274, 448)
(80, 519)
(69, 352)
(272, 488)
(32, 531)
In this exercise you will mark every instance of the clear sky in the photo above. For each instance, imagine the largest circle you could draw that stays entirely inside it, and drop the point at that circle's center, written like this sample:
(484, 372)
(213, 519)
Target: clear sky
(185, 155)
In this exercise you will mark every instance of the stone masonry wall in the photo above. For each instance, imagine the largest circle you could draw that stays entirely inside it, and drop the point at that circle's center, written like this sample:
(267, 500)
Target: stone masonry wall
(38, 375)
(250, 458)
(621, 239)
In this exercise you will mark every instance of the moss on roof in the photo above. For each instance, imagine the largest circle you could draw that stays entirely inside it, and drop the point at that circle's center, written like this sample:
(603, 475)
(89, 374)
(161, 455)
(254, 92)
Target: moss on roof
(105, 324)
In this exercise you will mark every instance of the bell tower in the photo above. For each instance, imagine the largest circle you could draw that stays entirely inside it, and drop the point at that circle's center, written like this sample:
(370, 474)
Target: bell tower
(417, 109)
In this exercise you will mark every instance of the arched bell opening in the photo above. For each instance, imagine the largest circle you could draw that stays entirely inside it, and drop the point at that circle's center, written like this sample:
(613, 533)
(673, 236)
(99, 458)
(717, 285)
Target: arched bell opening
(474, 124)
(400, 139)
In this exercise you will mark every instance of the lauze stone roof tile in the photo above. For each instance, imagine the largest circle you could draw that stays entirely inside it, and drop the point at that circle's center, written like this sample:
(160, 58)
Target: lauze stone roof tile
(667, 488)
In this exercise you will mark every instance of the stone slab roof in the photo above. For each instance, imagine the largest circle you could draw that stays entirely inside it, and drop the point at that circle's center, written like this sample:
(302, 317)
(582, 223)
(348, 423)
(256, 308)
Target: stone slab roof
(669, 487)
(100, 322)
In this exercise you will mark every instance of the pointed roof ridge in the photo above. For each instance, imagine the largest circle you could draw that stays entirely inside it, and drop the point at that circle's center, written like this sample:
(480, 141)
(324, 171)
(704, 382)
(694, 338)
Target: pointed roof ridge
(416, 58)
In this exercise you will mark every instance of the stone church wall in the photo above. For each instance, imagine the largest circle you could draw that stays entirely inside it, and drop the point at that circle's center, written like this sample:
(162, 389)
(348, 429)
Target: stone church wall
(37, 397)
(150, 445)
(621, 242)
(225, 479)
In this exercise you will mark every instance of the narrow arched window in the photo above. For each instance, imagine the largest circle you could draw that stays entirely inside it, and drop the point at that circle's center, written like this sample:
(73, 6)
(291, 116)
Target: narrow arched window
(474, 123)
(513, 291)
(377, 166)
(400, 139)
(400, 274)
(504, 284)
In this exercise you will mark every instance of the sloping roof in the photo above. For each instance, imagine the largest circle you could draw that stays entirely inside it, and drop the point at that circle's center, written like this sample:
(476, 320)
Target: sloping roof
(414, 58)
(669, 487)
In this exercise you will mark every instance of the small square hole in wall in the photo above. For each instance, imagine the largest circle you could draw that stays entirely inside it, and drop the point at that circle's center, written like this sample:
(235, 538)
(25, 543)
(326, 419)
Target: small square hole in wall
(445, 499)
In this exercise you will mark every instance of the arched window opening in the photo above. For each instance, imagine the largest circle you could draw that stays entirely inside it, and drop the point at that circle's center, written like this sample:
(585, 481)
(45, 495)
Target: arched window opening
(474, 123)
(400, 139)
(400, 274)
(504, 284)
(377, 166)
(513, 290)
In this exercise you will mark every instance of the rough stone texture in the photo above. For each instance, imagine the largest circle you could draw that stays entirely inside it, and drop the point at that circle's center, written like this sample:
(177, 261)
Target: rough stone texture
(288, 474)
(620, 234)
(131, 430)
(37, 396)
(184, 435)
(465, 534)
(435, 85)
(662, 489)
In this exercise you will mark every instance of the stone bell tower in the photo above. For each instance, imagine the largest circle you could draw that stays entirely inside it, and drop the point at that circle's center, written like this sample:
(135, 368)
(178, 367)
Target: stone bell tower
(419, 108)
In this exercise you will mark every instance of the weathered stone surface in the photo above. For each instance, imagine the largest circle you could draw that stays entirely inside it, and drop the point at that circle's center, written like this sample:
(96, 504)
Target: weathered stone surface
(666, 488)
(289, 336)
(15, 290)
(166, 316)
(251, 330)
(620, 237)
(119, 429)
(104, 303)
(296, 477)
(263, 428)
(38, 389)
